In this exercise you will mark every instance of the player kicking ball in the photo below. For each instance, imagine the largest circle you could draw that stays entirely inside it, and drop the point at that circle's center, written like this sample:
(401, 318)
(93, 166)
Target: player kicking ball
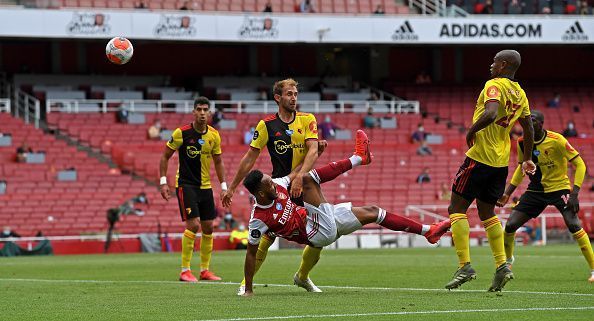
(318, 223)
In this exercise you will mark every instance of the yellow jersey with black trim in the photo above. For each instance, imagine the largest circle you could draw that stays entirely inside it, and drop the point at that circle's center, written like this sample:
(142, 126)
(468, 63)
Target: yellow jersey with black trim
(550, 154)
(195, 154)
(492, 144)
(285, 141)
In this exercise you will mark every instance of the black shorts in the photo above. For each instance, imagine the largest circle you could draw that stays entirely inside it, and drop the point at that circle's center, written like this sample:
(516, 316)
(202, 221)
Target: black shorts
(476, 180)
(533, 203)
(195, 202)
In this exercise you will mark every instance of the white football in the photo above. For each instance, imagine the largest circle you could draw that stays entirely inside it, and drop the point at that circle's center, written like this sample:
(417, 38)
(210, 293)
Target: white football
(119, 50)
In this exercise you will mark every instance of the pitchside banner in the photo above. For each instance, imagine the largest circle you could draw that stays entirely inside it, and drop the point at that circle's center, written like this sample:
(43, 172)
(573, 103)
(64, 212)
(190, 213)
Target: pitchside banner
(258, 27)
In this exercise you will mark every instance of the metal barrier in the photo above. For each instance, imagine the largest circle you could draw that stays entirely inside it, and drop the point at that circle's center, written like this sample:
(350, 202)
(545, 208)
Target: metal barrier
(233, 106)
(5, 105)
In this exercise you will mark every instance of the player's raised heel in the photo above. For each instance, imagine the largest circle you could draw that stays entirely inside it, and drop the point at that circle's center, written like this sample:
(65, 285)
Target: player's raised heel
(437, 231)
(462, 275)
(308, 285)
(503, 274)
(362, 147)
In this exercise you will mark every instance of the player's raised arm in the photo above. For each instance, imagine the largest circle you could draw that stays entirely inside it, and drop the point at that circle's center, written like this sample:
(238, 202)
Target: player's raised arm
(528, 138)
(486, 119)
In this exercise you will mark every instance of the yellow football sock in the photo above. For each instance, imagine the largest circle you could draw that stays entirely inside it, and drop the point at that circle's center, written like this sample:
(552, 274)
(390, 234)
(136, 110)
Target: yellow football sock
(205, 251)
(509, 241)
(461, 235)
(584, 243)
(495, 235)
(309, 258)
(187, 248)
(265, 243)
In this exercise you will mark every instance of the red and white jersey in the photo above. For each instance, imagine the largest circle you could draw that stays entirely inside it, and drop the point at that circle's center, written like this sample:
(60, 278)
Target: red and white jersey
(281, 218)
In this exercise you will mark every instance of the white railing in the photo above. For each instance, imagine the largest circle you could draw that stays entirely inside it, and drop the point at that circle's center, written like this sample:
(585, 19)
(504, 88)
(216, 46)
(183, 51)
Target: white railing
(234, 106)
(27, 106)
(429, 7)
(5, 105)
(503, 214)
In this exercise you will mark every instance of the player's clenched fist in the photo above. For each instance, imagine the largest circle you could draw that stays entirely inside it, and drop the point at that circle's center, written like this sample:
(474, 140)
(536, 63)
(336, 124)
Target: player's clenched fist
(165, 192)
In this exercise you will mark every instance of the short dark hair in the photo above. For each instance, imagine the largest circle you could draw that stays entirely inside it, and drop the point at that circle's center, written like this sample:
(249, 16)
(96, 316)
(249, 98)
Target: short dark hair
(201, 101)
(253, 180)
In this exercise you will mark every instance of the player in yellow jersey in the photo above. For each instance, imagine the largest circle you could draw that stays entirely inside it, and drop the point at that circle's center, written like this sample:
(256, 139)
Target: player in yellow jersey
(548, 186)
(291, 138)
(482, 175)
(198, 144)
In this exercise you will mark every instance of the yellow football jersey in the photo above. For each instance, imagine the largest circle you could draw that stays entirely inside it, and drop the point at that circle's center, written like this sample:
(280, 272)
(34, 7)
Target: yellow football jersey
(285, 141)
(195, 154)
(492, 144)
(550, 155)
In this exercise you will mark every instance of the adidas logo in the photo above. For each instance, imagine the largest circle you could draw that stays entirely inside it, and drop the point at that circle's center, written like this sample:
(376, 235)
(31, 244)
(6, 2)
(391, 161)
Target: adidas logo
(405, 33)
(575, 33)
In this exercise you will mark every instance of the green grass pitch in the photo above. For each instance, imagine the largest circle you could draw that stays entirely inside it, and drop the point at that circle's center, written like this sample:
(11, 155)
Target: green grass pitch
(387, 284)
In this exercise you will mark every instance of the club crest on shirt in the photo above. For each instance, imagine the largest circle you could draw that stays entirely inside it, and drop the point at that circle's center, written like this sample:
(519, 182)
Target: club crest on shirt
(279, 206)
(289, 132)
(536, 152)
(282, 196)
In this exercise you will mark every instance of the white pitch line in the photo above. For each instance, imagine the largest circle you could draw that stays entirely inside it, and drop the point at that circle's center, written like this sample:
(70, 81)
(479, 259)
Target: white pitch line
(287, 285)
(316, 316)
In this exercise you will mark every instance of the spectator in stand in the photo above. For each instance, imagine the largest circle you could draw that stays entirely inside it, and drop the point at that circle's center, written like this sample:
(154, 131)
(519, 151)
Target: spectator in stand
(570, 130)
(488, 7)
(546, 10)
(327, 128)
(154, 132)
(584, 8)
(516, 132)
(306, 6)
(263, 95)
(419, 135)
(555, 102)
(217, 117)
(249, 135)
(268, 7)
(423, 78)
(139, 5)
(8, 232)
(369, 121)
(122, 115)
(445, 192)
(239, 237)
(424, 176)
(424, 149)
(2, 187)
(514, 7)
(228, 221)
(379, 9)
(185, 6)
(21, 153)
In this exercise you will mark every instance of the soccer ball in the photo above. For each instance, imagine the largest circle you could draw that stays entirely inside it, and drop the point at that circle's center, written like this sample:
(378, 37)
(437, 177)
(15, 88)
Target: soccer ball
(119, 50)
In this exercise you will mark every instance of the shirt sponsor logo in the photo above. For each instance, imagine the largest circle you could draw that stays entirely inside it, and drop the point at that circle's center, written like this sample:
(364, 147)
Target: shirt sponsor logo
(536, 152)
(490, 30)
(493, 92)
(192, 152)
(289, 132)
(201, 141)
(281, 147)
